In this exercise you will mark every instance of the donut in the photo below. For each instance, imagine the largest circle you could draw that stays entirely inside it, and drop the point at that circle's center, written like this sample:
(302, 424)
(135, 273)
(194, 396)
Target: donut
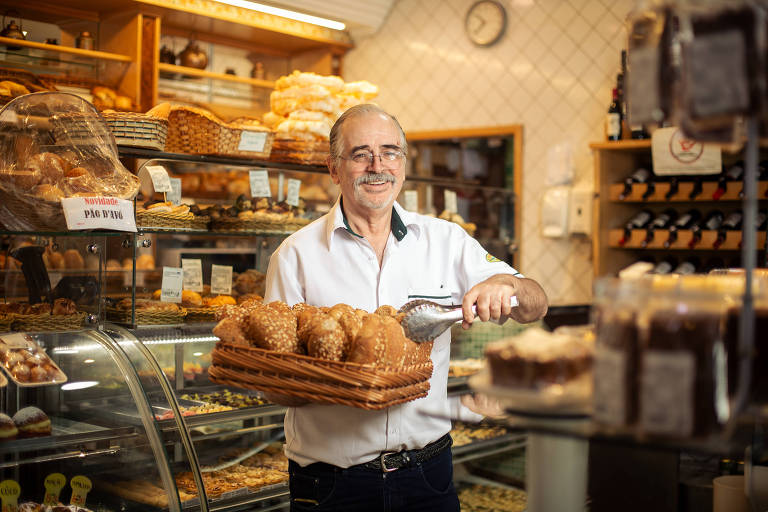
(8, 428)
(32, 422)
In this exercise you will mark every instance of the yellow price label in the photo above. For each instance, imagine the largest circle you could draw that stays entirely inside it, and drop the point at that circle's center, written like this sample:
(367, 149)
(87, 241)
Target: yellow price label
(9, 493)
(80, 486)
(54, 483)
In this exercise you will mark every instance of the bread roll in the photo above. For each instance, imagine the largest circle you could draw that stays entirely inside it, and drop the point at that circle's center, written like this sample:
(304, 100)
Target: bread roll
(298, 79)
(123, 103)
(73, 260)
(160, 110)
(145, 262)
(190, 299)
(380, 341)
(16, 89)
(219, 300)
(64, 307)
(50, 165)
(272, 329)
(48, 192)
(56, 260)
(229, 331)
(325, 338)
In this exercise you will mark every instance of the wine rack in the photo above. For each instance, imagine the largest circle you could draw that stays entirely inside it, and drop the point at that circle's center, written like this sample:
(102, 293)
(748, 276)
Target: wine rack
(614, 247)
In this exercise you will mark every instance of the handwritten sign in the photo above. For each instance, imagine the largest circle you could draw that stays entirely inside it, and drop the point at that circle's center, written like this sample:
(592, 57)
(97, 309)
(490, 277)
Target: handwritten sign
(450, 201)
(81, 485)
(193, 275)
(54, 483)
(411, 200)
(259, 183)
(252, 141)
(221, 279)
(292, 197)
(160, 180)
(173, 278)
(98, 213)
(174, 196)
(9, 493)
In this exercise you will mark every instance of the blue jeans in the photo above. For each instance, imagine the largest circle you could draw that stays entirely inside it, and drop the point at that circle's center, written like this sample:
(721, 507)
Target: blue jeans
(420, 488)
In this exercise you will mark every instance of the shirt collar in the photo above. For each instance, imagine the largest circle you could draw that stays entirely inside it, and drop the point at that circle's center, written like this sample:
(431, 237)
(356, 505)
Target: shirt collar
(402, 220)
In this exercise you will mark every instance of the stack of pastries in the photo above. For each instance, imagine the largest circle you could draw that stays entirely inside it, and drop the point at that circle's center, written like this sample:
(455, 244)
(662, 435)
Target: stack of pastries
(338, 333)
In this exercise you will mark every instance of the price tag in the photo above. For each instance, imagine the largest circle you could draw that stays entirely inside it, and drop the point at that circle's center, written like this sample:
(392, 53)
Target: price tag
(411, 200)
(252, 141)
(193, 275)
(292, 196)
(259, 183)
(221, 279)
(81, 485)
(54, 483)
(9, 493)
(174, 195)
(17, 340)
(450, 201)
(160, 180)
(173, 278)
(98, 213)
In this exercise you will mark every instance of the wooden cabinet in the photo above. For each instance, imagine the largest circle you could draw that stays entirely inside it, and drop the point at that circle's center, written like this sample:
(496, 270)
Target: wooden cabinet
(614, 248)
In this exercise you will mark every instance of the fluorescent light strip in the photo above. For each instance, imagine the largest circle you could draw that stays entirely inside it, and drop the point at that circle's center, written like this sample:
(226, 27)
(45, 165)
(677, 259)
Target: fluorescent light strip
(285, 13)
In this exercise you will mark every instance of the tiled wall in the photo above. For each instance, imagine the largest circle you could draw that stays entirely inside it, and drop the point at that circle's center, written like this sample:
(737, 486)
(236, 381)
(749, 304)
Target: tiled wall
(552, 72)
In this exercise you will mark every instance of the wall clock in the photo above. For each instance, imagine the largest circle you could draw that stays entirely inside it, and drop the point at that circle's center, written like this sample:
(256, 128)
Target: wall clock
(485, 22)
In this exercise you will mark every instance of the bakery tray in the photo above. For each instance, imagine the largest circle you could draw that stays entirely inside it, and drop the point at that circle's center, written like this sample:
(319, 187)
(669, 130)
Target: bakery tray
(66, 432)
(486, 447)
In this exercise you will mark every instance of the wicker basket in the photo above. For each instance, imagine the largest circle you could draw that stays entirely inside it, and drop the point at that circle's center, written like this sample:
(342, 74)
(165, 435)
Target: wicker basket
(47, 322)
(5, 322)
(171, 221)
(198, 132)
(256, 225)
(123, 316)
(300, 151)
(46, 215)
(137, 130)
(318, 380)
(202, 314)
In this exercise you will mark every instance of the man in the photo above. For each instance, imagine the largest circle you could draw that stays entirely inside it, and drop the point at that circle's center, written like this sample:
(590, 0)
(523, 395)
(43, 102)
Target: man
(368, 252)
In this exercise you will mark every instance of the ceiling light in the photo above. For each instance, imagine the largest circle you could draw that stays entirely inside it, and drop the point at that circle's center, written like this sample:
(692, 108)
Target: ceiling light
(285, 13)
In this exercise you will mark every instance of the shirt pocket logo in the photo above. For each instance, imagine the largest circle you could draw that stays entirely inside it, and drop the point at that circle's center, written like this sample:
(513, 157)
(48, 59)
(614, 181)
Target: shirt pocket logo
(490, 258)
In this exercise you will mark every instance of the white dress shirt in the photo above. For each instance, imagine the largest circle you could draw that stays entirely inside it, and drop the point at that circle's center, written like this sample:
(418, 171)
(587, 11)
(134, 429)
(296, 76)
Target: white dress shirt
(326, 263)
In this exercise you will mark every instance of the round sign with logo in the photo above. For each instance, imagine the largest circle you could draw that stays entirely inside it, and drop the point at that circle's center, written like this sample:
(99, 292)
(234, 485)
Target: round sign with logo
(683, 149)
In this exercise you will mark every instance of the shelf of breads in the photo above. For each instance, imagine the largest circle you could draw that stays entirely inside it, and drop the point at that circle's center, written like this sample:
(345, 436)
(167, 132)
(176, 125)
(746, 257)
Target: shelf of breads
(473, 441)
(709, 240)
(51, 50)
(660, 192)
(212, 159)
(202, 73)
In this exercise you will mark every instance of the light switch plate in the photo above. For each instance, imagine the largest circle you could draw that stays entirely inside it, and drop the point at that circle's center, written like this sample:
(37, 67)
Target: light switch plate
(580, 214)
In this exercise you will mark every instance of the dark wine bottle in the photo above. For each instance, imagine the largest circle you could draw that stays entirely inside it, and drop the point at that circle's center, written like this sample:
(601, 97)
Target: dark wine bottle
(688, 266)
(665, 266)
(684, 221)
(697, 188)
(638, 221)
(641, 175)
(732, 173)
(732, 222)
(613, 118)
(711, 222)
(762, 221)
(661, 221)
(674, 187)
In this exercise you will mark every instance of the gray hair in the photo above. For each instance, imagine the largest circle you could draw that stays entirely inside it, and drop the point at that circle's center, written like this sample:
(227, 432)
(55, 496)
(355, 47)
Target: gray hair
(337, 145)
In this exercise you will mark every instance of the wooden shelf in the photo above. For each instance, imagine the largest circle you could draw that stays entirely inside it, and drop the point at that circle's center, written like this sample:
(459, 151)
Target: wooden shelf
(201, 73)
(637, 240)
(91, 54)
(659, 194)
(622, 144)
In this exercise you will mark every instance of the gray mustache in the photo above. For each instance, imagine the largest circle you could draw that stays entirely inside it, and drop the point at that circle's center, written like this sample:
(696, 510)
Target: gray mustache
(370, 178)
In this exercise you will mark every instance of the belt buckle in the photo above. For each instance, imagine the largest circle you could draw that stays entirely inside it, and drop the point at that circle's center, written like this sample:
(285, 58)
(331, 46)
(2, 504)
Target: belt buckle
(382, 460)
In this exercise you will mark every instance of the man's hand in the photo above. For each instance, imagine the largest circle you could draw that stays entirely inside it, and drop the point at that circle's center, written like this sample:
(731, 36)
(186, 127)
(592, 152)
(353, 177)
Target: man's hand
(493, 300)
(483, 405)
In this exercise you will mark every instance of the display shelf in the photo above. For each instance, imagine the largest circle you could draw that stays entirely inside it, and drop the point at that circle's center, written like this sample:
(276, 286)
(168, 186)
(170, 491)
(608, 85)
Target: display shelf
(54, 49)
(660, 192)
(637, 144)
(67, 433)
(708, 241)
(197, 232)
(488, 447)
(202, 73)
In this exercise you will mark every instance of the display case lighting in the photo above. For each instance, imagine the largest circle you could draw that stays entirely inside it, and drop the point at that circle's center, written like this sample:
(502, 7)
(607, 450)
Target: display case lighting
(72, 386)
(285, 13)
(89, 361)
(197, 354)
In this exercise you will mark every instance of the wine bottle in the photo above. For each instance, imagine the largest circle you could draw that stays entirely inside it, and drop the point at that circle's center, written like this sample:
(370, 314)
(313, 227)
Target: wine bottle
(638, 221)
(687, 266)
(674, 187)
(713, 264)
(711, 222)
(762, 221)
(684, 221)
(662, 221)
(732, 222)
(697, 188)
(613, 118)
(665, 266)
(733, 173)
(641, 175)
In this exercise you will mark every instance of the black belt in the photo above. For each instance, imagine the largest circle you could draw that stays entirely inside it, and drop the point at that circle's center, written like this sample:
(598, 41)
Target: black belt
(390, 461)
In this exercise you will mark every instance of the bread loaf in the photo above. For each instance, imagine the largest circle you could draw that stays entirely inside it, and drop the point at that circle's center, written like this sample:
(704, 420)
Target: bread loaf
(272, 328)
(325, 338)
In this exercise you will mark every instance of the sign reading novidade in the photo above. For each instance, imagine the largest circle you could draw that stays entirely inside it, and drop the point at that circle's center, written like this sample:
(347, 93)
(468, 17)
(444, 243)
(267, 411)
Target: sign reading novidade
(98, 213)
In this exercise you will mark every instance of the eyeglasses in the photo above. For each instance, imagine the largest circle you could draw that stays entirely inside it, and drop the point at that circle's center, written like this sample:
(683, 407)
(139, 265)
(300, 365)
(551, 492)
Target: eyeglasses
(388, 159)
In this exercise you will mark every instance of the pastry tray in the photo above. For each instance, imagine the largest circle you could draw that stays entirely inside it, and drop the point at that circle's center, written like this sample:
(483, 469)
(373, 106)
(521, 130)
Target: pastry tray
(66, 432)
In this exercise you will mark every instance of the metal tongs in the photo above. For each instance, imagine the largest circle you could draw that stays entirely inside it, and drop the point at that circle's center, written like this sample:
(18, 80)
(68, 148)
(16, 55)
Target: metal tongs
(425, 320)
